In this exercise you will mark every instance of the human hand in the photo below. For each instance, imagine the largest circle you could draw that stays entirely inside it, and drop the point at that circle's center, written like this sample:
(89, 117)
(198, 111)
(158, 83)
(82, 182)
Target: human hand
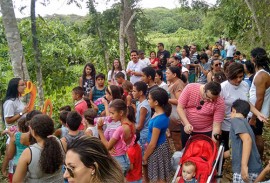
(112, 151)
(144, 162)
(100, 124)
(104, 101)
(262, 118)
(25, 110)
(267, 168)
(252, 122)
(188, 128)
(244, 173)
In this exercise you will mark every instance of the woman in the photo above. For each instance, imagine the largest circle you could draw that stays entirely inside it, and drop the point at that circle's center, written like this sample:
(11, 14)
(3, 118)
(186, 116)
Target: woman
(42, 161)
(175, 61)
(88, 161)
(154, 60)
(249, 72)
(176, 86)
(87, 80)
(232, 89)
(157, 155)
(13, 110)
(215, 67)
(116, 67)
(185, 60)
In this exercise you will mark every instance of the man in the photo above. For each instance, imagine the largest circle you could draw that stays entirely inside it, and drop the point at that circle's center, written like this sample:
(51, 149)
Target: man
(230, 49)
(134, 67)
(193, 61)
(259, 93)
(142, 58)
(177, 52)
(201, 110)
(204, 68)
(163, 56)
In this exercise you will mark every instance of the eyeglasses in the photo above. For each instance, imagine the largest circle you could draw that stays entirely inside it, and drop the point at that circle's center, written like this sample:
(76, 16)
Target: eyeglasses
(70, 171)
(217, 65)
(200, 106)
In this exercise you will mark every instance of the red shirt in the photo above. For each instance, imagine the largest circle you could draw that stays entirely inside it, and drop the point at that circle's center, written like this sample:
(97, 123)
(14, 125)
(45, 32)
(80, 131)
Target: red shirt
(80, 107)
(153, 61)
(201, 120)
(135, 158)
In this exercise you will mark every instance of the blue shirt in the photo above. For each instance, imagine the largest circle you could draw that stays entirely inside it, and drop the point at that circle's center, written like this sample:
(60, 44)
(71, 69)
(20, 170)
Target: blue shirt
(161, 122)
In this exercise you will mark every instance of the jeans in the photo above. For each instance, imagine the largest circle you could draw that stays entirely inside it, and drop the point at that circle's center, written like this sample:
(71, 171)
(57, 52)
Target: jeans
(123, 162)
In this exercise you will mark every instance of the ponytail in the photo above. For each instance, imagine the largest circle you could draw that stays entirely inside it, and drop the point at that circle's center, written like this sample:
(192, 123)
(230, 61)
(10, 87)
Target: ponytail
(167, 109)
(51, 157)
(131, 114)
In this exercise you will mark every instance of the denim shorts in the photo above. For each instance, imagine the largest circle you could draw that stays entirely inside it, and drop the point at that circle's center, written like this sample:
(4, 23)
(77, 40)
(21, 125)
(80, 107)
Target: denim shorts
(124, 162)
(142, 143)
(137, 181)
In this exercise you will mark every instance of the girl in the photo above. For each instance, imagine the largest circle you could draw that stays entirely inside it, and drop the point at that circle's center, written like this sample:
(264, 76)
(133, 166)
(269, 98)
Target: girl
(159, 80)
(127, 87)
(89, 116)
(215, 67)
(116, 67)
(42, 161)
(87, 80)
(18, 141)
(249, 72)
(124, 135)
(154, 60)
(157, 154)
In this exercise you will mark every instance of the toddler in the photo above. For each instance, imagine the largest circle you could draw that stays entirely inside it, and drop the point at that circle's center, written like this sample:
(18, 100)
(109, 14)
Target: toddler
(189, 172)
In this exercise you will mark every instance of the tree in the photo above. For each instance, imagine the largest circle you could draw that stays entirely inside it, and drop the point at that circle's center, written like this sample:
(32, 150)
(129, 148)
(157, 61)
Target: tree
(14, 41)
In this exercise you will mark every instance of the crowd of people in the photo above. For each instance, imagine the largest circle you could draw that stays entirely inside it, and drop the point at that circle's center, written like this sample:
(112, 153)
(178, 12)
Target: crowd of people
(120, 132)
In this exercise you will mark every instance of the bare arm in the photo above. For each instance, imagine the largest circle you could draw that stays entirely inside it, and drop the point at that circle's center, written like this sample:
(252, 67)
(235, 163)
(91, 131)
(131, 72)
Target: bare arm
(209, 77)
(262, 175)
(21, 169)
(188, 128)
(175, 101)
(143, 112)
(11, 147)
(58, 132)
(152, 145)
(216, 130)
(109, 145)
(81, 82)
(247, 144)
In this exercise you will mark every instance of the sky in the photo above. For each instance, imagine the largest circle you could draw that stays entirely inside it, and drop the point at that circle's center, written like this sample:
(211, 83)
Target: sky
(61, 7)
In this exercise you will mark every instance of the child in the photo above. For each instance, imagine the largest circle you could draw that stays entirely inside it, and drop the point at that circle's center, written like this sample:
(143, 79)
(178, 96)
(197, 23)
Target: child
(18, 141)
(65, 108)
(63, 131)
(120, 78)
(81, 104)
(91, 129)
(159, 80)
(98, 91)
(189, 172)
(157, 154)
(148, 76)
(127, 87)
(123, 136)
(87, 80)
(143, 111)
(246, 163)
(73, 122)
(135, 156)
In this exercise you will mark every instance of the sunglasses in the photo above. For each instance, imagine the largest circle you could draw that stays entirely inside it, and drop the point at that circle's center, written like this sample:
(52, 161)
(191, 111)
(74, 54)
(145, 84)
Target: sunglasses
(217, 64)
(70, 171)
(200, 106)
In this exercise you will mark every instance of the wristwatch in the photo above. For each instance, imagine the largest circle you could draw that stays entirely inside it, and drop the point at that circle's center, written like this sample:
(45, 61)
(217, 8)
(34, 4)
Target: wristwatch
(21, 113)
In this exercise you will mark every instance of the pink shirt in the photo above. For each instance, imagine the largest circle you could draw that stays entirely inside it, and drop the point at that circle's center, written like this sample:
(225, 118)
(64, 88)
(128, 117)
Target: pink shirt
(201, 120)
(121, 146)
(80, 107)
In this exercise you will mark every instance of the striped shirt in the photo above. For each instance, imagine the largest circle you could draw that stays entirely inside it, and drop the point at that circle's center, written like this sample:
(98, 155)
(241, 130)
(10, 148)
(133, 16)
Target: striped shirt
(201, 120)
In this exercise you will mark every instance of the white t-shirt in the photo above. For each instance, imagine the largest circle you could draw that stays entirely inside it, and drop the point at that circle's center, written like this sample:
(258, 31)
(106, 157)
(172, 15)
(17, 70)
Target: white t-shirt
(185, 61)
(184, 70)
(146, 61)
(230, 50)
(11, 108)
(230, 93)
(137, 67)
(164, 86)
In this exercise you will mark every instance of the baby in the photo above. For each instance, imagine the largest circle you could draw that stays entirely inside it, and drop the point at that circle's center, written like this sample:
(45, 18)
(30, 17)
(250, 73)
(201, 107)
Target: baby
(189, 172)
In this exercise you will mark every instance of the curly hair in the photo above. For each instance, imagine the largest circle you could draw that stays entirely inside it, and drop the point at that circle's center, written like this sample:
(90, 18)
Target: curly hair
(94, 154)
(51, 157)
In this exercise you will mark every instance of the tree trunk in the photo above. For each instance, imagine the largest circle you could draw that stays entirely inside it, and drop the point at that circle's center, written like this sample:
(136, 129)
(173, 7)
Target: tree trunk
(14, 40)
(253, 12)
(130, 33)
(122, 40)
(36, 53)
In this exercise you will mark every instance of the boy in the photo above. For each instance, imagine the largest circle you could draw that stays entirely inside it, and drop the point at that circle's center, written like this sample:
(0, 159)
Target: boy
(189, 172)
(98, 91)
(73, 122)
(63, 131)
(246, 163)
(120, 78)
(148, 76)
(80, 105)
(135, 156)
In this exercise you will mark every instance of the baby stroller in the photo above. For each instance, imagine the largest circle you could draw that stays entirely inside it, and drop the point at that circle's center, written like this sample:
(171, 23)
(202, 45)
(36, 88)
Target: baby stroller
(202, 150)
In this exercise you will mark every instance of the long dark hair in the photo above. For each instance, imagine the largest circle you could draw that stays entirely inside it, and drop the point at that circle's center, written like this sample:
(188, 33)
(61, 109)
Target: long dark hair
(51, 157)
(161, 96)
(178, 72)
(113, 68)
(120, 105)
(115, 91)
(93, 72)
